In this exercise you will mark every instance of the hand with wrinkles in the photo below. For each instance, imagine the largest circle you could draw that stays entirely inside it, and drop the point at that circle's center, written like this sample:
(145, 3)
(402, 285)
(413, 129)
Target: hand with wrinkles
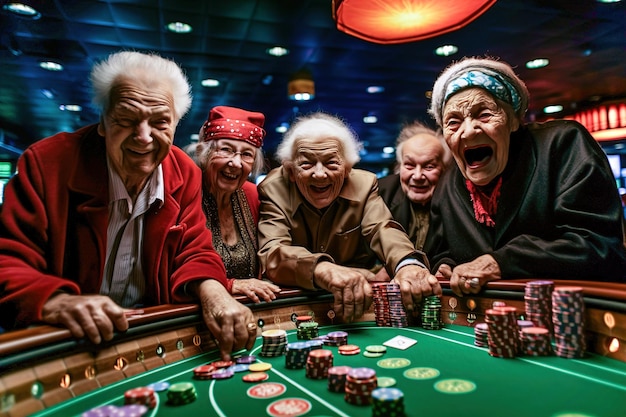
(255, 289)
(349, 286)
(468, 278)
(231, 323)
(416, 283)
(93, 316)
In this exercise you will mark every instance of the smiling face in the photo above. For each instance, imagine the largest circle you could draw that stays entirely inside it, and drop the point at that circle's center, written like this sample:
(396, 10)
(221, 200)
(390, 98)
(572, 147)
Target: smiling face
(421, 167)
(319, 170)
(227, 172)
(139, 131)
(478, 129)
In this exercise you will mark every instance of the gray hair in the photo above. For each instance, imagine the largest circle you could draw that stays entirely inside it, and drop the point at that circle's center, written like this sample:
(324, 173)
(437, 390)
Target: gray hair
(494, 70)
(201, 151)
(416, 128)
(319, 126)
(142, 67)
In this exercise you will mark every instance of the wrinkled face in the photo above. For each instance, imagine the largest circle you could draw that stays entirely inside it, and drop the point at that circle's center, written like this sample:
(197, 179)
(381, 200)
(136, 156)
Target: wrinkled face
(139, 131)
(477, 129)
(421, 167)
(229, 165)
(319, 170)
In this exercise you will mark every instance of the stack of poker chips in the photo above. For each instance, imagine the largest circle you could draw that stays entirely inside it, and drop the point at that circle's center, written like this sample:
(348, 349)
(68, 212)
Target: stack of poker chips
(388, 308)
(297, 354)
(481, 338)
(303, 319)
(337, 378)
(274, 343)
(502, 333)
(387, 402)
(318, 362)
(181, 393)
(307, 330)
(141, 395)
(568, 312)
(360, 382)
(535, 341)
(538, 303)
(431, 313)
(337, 338)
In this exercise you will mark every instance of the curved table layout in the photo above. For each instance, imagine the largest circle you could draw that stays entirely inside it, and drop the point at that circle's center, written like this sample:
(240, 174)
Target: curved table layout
(45, 372)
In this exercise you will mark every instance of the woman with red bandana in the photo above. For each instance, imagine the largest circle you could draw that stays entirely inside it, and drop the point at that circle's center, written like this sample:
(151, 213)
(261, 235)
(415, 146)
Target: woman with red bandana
(228, 151)
(525, 200)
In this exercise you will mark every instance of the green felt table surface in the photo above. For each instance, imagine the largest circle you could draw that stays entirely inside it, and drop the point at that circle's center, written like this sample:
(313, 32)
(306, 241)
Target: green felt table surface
(525, 386)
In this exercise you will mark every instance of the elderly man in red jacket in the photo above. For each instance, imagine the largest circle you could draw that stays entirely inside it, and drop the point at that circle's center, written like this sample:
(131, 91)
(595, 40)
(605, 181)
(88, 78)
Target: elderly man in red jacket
(109, 217)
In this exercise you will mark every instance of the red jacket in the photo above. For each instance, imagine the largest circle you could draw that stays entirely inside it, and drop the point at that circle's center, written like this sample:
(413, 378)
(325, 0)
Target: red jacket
(53, 228)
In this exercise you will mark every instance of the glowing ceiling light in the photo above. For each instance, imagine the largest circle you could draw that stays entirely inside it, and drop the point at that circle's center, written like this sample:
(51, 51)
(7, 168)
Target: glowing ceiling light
(277, 51)
(22, 9)
(51, 66)
(552, 109)
(537, 63)
(210, 82)
(446, 50)
(179, 27)
(70, 107)
(374, 89)
(398, 21)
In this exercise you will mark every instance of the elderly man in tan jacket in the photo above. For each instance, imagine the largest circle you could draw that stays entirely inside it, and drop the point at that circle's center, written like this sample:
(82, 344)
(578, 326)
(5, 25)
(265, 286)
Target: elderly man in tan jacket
(319, 216)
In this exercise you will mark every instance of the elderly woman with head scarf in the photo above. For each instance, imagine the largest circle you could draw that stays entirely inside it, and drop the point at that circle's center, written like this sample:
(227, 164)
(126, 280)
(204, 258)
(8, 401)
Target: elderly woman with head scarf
(228, 151)
(319, 216)
(524, 201)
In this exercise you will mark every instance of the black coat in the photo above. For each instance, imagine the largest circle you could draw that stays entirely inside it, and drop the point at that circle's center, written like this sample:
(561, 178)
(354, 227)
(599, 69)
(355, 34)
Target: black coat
(559, 214)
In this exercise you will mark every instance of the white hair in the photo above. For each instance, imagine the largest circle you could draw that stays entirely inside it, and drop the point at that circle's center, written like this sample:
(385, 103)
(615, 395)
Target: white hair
(142, 67)
(319, 126)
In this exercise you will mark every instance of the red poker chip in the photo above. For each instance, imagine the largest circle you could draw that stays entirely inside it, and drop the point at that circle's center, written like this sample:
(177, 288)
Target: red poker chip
(222, 364)
(255, 377)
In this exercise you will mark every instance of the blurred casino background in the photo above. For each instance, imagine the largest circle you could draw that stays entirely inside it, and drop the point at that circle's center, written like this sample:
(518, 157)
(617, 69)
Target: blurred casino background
(255, 53)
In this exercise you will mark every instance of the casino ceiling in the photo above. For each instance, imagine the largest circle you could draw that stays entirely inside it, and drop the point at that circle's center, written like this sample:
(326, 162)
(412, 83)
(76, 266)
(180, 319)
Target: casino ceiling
(584, 40)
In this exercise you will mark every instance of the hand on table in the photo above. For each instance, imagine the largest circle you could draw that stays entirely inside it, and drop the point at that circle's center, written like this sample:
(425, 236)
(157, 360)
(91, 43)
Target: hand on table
(415, 283)
(93, 316)
(468, 278)
(232, 324)
(254, 288)
(349, 286)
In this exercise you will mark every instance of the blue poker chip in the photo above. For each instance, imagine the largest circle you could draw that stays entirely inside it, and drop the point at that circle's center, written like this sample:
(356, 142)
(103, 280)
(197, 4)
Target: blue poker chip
(240, 367)
(159, 386)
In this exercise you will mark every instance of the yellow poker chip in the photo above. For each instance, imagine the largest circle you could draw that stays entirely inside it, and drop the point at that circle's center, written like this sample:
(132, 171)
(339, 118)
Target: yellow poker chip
(260, 367)
(386, 382)
(376, 348)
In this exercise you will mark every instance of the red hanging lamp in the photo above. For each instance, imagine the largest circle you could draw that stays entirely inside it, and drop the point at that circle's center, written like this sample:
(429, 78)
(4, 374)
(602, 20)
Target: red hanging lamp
(400, 21)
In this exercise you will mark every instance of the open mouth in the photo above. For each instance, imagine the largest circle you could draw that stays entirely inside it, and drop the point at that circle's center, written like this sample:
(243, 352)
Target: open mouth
(320, 189)
(478, 155)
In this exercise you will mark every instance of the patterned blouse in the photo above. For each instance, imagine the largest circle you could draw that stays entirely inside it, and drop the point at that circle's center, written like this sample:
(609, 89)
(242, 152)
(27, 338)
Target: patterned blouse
(239, 259)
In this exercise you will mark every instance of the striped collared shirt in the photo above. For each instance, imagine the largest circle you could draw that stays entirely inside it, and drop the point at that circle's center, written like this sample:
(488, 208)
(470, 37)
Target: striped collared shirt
(123, 278)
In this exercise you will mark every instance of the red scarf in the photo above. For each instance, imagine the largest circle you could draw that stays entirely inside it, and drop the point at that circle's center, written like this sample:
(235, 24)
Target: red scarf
(485, 205)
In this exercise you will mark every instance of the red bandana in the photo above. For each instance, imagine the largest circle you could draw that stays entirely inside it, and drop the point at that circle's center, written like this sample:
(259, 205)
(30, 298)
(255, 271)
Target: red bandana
(485, 205)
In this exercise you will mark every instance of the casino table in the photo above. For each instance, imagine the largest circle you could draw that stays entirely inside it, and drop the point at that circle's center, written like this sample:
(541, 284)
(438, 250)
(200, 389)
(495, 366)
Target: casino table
(46, 373)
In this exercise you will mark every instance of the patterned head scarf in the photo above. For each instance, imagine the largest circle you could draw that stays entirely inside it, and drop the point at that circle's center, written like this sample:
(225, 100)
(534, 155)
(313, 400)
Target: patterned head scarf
(493, 76)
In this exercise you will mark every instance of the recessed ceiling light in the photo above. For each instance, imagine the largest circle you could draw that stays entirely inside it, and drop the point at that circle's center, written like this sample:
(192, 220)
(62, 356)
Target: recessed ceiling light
(301, 97)
(370, 119)
(51, 66)
(389, 149)
(210, 82)
(277, 51)
(446, 50)
(608, 1)
(282, 128)
(70, 107)
(537, 63)
(179, 27)
(23, 10)
(552, 109)
(374, 89)
(194, 137)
